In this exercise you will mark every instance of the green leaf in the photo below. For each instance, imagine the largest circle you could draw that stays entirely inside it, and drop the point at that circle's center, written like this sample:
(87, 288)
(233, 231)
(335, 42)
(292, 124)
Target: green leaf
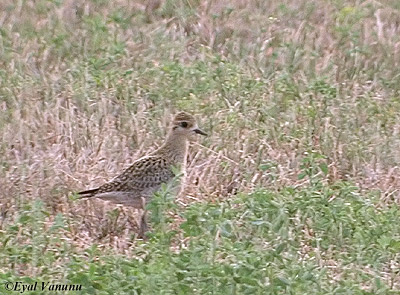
(324, 168)
(301, 175)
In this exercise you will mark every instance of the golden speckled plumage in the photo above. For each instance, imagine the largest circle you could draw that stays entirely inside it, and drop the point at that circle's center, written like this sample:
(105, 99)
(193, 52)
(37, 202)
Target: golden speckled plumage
(135, 186)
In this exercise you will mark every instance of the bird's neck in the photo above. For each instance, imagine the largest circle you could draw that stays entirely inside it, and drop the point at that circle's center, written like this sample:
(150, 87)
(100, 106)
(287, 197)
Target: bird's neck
(175, 148)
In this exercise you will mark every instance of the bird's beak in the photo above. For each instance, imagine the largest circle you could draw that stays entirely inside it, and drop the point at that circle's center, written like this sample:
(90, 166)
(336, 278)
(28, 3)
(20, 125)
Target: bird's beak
(199, 131)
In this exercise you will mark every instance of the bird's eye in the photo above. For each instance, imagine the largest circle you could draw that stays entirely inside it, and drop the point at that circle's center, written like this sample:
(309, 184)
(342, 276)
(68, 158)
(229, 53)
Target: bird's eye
(184, 124)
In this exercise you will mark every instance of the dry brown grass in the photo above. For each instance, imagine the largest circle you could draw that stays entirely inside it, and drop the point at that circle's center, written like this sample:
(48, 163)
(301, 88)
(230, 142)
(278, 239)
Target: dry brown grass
(88, 86)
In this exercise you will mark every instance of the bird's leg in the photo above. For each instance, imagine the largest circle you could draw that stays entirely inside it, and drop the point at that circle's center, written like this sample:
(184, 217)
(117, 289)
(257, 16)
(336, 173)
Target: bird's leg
(143, 220)
(143, 225)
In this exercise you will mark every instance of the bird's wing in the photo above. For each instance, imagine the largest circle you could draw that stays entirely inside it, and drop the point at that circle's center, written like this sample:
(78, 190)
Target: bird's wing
(143, 174)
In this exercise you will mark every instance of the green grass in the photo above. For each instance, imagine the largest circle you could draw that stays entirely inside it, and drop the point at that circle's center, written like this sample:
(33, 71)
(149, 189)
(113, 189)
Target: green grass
(321, 239)
(295, 191)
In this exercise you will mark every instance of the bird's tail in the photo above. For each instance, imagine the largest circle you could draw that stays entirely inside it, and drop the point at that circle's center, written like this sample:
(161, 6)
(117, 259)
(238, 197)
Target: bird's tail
(87, 194)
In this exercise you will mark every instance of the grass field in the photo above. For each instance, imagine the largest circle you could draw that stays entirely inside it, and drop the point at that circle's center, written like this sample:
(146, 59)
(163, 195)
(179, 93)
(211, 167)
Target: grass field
(295, 191)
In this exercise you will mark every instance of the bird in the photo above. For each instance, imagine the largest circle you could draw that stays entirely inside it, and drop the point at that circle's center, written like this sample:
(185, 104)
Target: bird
(135, 186)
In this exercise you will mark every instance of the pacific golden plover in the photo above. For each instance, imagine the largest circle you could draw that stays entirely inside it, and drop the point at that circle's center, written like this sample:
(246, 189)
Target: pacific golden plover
(136, 185)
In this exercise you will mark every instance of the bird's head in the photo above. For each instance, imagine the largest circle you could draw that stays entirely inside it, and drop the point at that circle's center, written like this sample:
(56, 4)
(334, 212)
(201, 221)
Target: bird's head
(185, 124)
